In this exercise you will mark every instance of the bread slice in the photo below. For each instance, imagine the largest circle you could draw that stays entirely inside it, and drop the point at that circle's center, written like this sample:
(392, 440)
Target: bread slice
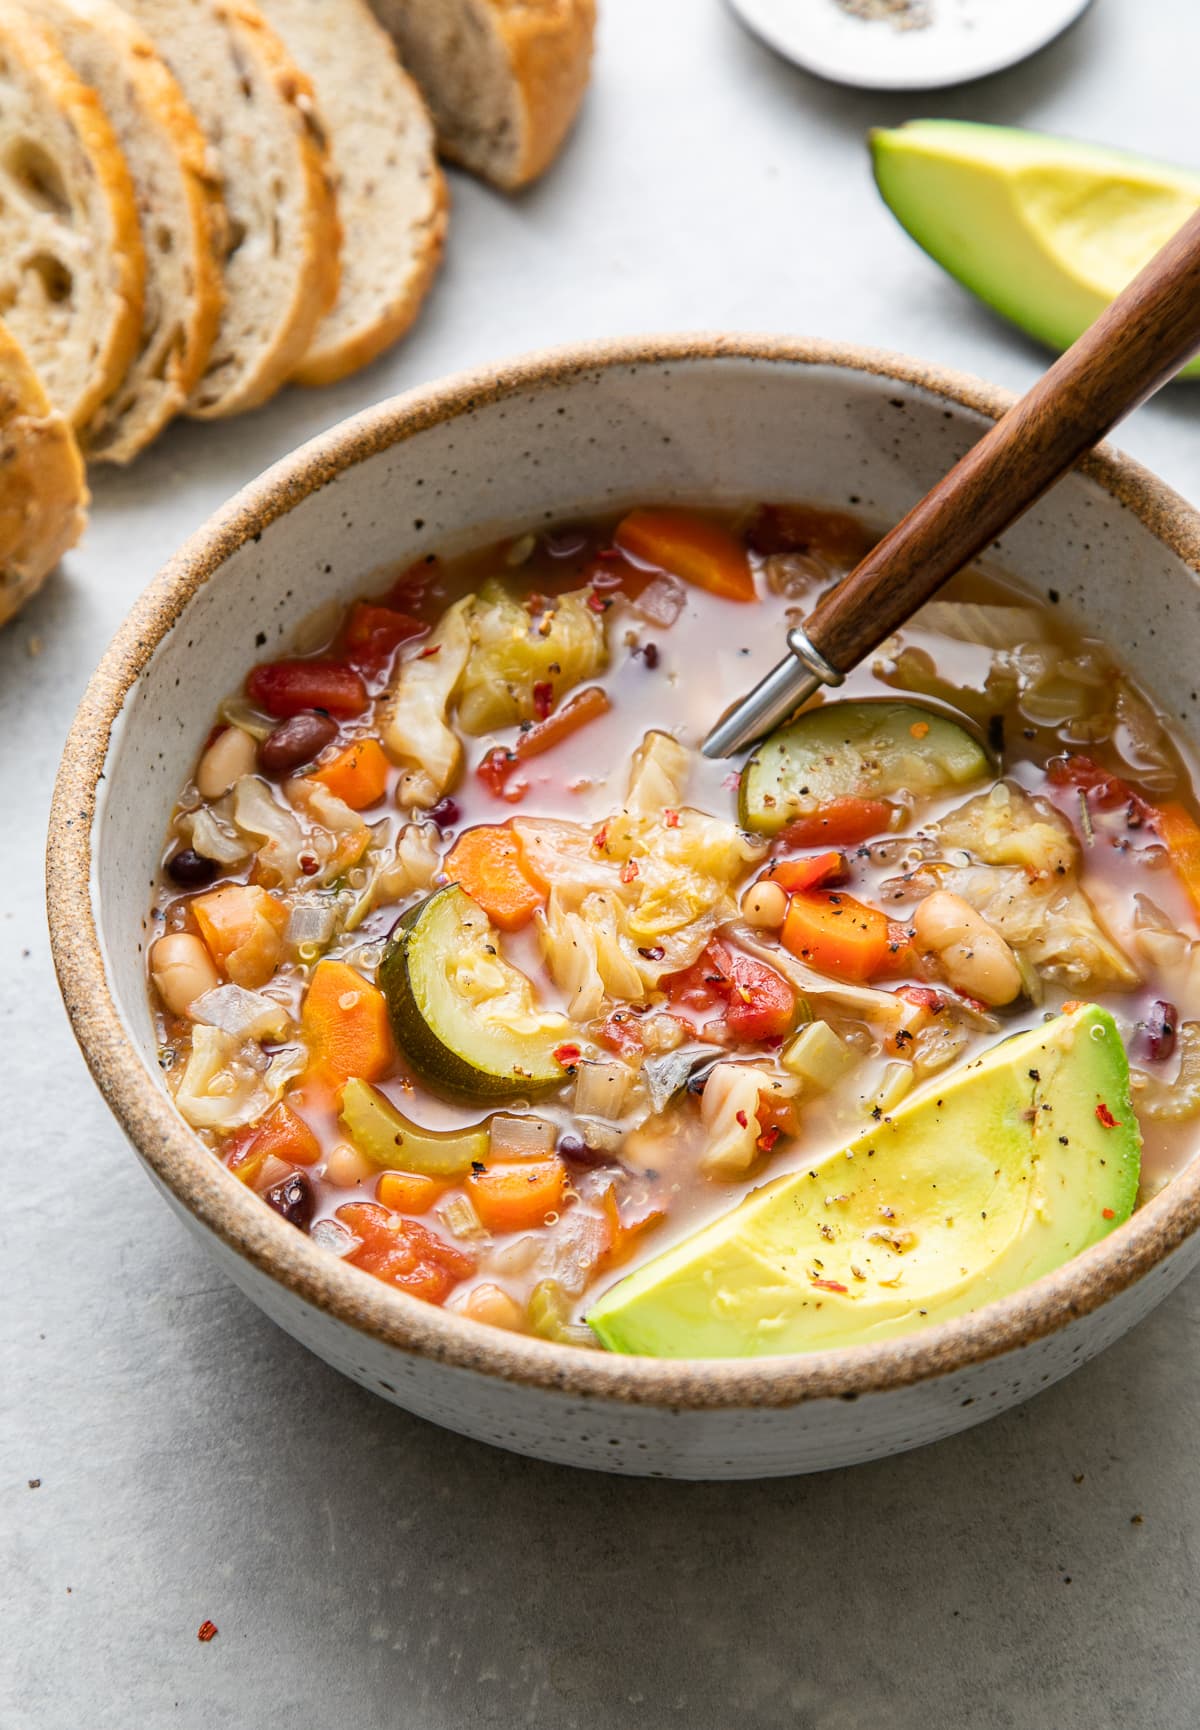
(178, 201)
(504, 78)
(281, 266)
(390, 191)
(43, 496)
(71, 262)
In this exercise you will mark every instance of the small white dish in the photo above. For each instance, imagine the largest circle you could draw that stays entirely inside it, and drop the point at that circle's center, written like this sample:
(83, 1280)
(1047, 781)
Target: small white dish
(961, 39)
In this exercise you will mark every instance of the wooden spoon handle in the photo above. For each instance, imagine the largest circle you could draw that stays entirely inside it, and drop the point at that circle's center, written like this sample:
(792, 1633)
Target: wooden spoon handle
(1140, 342)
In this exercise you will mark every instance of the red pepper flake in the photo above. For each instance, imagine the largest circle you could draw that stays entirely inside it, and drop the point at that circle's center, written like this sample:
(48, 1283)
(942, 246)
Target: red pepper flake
(1106, 1117)
(598, 603)
(600, 838)
(543, 698)
(428, 652)
(732, 782)
(567, 1055)
(768, 1138)
(743, 1119)
(671, 819)
(205, 1632)
(629, 871)
(1108, 1213)
(830, 1285)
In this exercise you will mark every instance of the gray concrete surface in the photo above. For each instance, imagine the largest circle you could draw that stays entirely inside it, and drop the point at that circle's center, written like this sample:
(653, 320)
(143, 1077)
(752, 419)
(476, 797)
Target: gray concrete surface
(364, 1569)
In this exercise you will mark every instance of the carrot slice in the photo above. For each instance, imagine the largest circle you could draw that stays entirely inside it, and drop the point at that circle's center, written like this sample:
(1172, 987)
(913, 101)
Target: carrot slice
(242, 927)
(836, 934)
(1180, 835)
(517, 1194)
(344, 1022)
(689, 546)
(282, 1135)
(843, 822)
(796, 874)
(583, 707)
(489, 865)
(407, 1191)
(358, 776)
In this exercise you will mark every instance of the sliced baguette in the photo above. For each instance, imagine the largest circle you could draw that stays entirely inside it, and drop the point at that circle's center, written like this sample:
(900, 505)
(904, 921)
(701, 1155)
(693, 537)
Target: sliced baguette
(390, 191)
(43, 496)
(179, 208)
(504, 78)
(281, 267)
(71, 263)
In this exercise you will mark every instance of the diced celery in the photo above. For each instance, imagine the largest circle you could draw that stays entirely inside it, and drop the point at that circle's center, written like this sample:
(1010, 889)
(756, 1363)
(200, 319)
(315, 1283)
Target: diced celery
(548, 1311)
(392, 1141)
(818, 1056)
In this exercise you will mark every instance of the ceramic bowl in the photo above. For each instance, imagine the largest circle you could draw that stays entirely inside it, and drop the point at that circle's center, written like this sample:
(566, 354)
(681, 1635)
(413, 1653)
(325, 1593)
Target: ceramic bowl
(589, 429)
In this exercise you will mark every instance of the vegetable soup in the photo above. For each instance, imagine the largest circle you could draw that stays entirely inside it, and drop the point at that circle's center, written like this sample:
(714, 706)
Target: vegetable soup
(473, 968)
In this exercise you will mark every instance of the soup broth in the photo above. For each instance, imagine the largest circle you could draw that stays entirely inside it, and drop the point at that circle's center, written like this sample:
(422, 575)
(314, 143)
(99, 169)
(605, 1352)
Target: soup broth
(476, 970)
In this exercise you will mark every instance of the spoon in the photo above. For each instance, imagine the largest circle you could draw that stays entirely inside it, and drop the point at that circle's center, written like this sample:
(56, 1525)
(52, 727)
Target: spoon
(1141, 341)
(946, 42)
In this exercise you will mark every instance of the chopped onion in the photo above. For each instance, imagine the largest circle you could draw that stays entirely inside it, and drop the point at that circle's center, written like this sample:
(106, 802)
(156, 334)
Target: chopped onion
(661, 601)
(317, 629)
(522, 1137)
(312, 923)
(602, 1089)
(459, 1217)
(271, 1171)
(240, 712)
(572, 1252)
(337, 1238)
(240, 1013)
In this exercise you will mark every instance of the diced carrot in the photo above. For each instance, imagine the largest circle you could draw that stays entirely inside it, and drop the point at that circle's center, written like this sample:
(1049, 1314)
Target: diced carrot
(836, 934)
(243, 928)
(843, 822)
(358, 775)
(489, 865)
(1180, 835)
(584, 706)
(517, 1194)
(796, 874)
(407, 1191)
(623, 1234)
(344, 1022)
(689, 546)
(282, 1135)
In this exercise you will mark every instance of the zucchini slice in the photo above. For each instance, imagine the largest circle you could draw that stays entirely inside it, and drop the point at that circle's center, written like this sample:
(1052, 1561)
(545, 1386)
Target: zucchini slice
(464, 1017)
(863, 750)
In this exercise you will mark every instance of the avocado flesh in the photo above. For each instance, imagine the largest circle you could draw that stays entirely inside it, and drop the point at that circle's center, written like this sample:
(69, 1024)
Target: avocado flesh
(976, 1186)
(1046, 230)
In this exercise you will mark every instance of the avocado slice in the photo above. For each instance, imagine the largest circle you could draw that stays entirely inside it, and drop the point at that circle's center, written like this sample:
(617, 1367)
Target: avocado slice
(1045, 230)
(865, 750)
(979, 1184)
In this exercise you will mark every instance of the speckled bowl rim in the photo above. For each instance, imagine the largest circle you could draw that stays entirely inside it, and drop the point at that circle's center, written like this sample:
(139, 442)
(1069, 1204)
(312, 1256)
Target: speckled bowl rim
(254, 1232)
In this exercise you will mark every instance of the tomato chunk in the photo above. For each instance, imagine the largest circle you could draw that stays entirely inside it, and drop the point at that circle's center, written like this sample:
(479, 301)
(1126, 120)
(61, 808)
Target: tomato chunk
(281, 1135)
(795, 874)
(285, 688)
(757, 1001)
(373, 634)
(404, 1253)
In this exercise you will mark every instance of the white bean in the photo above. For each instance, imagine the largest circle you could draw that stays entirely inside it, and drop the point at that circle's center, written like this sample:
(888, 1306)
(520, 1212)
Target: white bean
(231, 755)
(764, 905)
(182, 970)
(974, 957)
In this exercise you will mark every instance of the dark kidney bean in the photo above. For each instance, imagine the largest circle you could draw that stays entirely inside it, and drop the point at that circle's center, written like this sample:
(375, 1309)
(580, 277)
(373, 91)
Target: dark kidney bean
(296, 742)
(1156, 1035)
(190, 868)
(445, 813)
(294, 1198)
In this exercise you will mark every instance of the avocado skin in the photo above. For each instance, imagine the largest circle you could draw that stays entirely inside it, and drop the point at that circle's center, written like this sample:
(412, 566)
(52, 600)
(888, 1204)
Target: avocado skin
(966, 1194)
(1045, 230)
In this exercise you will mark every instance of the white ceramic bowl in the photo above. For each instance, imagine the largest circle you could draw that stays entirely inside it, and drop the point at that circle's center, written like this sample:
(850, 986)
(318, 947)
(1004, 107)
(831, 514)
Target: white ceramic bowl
(700, 419)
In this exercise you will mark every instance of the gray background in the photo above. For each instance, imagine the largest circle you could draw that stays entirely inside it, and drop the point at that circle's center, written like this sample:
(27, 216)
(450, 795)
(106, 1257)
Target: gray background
(368, 1570)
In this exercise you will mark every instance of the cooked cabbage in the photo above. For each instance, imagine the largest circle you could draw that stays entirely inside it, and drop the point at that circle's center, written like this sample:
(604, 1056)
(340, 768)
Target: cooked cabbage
(415, 729)
(729, 1109)
(1025, 885)
(228, 1082)
(513, 650)
(658, 776)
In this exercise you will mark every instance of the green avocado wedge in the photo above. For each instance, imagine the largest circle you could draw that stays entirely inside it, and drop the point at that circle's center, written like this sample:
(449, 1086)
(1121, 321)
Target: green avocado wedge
(1046, 230)
(979, 1184)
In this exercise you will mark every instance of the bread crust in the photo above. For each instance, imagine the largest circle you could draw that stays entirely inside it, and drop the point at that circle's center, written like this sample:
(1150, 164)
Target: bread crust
(154, 93)
(317, 280)
(549, 44)
(26, 41)
(43, 493)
